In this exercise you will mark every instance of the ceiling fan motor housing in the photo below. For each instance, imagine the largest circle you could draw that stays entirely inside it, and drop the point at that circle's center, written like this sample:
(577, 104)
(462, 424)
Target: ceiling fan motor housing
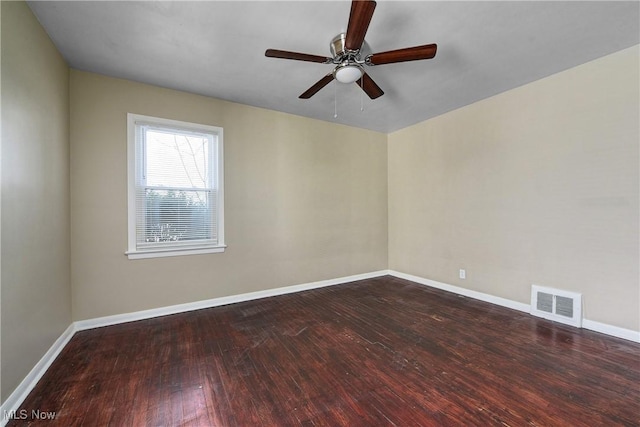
(337, 45)
(340, 53)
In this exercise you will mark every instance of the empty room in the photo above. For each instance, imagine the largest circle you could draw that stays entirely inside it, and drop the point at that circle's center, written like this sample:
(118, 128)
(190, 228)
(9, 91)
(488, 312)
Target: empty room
(320, 213)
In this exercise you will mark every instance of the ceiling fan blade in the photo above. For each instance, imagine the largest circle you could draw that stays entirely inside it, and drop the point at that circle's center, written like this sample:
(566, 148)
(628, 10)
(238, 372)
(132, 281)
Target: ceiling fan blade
(283, 54)
(316, 87)
(359, 19)
(369, 86)
(415, 53)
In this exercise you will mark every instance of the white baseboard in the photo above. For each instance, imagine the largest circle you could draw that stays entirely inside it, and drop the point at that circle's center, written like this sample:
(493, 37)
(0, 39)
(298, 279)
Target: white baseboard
(215, 302)
(614, 331)
(603, 328)
(21, 392)
(462, 291)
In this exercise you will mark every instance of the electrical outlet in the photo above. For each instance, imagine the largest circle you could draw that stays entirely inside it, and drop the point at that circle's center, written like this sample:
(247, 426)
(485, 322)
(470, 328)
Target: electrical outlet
(463, 274)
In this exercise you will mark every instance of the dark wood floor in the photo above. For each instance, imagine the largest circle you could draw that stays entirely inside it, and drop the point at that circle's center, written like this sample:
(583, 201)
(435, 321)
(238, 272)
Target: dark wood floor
(376, 352)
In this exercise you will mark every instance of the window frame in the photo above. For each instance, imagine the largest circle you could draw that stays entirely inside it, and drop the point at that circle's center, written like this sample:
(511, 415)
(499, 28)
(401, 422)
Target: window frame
(133, 165)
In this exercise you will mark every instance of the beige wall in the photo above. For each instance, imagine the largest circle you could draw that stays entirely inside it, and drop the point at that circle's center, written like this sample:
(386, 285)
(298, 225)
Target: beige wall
(36, 296)
(538, 185)
(305, 200)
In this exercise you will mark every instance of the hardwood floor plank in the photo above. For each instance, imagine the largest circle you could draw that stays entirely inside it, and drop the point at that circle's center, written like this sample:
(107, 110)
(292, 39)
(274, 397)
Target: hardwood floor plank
(383, 351)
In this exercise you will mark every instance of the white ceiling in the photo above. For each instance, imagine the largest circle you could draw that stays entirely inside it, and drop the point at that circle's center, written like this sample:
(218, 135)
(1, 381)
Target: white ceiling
(216, 48)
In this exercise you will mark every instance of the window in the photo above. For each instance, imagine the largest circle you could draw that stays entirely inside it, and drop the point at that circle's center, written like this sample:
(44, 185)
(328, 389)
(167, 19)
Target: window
(175, 179)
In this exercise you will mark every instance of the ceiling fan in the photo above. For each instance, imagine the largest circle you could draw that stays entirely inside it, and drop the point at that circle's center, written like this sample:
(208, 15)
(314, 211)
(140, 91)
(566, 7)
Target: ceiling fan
(346, 54)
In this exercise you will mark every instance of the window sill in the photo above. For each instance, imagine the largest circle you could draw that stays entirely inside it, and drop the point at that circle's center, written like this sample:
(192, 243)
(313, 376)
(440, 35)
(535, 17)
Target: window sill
(166, 252)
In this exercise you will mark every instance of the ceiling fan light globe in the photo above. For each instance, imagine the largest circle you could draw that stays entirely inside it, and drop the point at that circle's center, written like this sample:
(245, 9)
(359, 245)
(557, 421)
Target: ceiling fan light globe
(348, 73)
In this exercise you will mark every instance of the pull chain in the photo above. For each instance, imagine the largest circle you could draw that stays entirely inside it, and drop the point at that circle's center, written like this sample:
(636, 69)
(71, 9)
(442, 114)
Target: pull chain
(335, 99)
(361, 96)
